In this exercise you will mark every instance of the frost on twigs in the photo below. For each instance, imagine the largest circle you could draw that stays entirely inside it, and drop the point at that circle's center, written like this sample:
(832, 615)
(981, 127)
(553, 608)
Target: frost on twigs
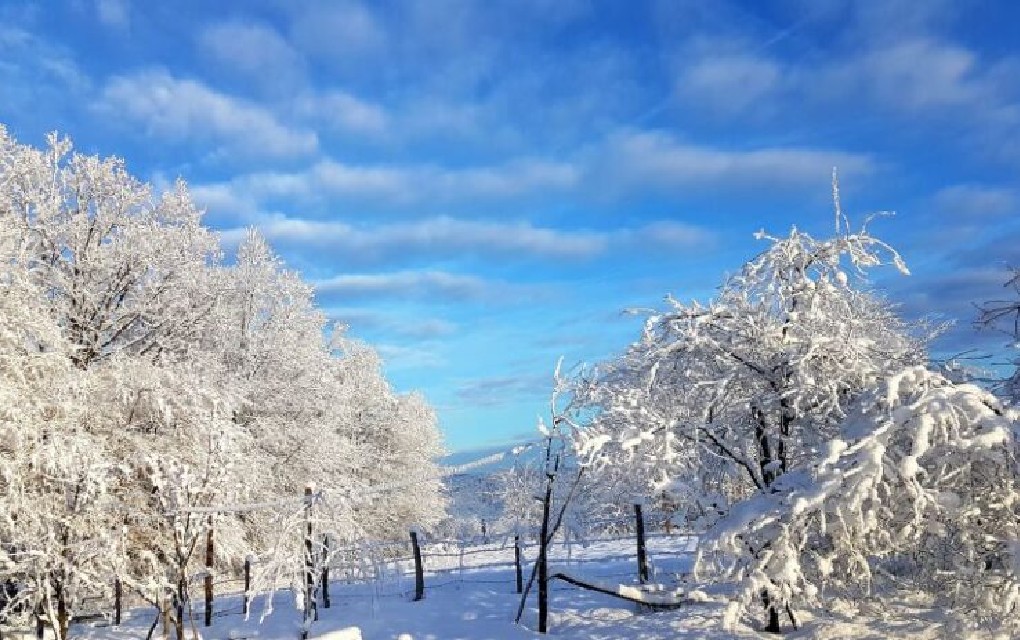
(725, 396)
(149, 391)
(918, 491)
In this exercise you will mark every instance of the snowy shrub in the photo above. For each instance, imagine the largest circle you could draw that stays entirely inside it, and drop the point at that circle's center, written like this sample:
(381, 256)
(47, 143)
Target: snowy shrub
(918, 490)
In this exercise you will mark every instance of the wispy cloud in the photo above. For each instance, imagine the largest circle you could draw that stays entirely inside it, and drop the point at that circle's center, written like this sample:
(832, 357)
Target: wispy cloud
(446, 237)
(37, 74)
(503, 389)
(407, 184)
(337, 32)
(730, 83)
(342, 111)
(976, 202)
(628, 162)
(412, 326)
(430, 236)
(927, 75)
(254, 50)
(641, 159)
(893, 59)
(403, 357)
(175, 110)
(424, 284)
(114, 13)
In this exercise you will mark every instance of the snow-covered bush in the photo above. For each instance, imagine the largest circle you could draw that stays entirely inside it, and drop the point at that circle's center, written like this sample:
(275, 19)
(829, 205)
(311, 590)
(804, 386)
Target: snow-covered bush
(918, 490)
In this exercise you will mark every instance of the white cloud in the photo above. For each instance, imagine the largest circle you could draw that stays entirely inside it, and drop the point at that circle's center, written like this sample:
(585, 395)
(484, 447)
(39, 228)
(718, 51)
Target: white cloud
(409, 184)
(666, 234)
(114, 13)
(337, 31)
(254, 50)
(187, 110)
(650, 159)
(421, 284)
(503, 389)
(36, 72)
(919, 75)
(402, 357)
(729, 83)
(343, 111)
(403, 325)
(423, 182)
(446, 237)
(440, 235)
(972, 202)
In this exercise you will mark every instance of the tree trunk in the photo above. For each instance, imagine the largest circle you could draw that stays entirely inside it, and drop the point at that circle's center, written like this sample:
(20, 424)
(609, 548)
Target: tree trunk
(63, 621)
(182, 596)
(772, 626)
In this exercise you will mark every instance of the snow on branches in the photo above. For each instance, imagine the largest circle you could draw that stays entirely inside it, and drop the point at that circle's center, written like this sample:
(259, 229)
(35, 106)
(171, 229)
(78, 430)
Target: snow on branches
(792, 418)
(750, 382)
(919, 487)
(145, 383)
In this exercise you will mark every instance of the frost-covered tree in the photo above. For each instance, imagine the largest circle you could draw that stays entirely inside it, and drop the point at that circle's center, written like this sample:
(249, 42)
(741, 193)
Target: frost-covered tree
(763, 373)
(54, 481)
(919, 488)
(122, 269)
(398, 442)
(151, 393)
(728, 396)
(1004, 315)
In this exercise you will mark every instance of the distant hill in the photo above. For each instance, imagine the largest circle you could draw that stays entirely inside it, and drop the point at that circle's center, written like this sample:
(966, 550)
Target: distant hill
(474, 493)
(460, 458)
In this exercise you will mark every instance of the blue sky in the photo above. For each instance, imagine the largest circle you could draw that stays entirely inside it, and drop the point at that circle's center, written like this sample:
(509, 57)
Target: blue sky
(480, 187)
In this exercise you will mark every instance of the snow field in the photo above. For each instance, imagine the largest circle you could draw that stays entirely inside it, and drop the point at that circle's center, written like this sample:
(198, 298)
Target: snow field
(476, 600)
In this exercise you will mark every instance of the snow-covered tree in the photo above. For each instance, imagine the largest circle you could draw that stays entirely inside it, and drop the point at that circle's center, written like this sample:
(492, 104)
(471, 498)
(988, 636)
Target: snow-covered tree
(762, 374)
(918, 489)
(149, 392)
(726, 397)
(121, 268)
(1004, 315)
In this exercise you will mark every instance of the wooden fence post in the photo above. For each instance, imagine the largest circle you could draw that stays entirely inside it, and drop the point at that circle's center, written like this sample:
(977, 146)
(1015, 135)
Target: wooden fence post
(543, 556)
(247, 584)
(517, 563)
(311, 611)
(642, 556)
(209, 573)
(118, 594)
(325, 570)
(419, 570)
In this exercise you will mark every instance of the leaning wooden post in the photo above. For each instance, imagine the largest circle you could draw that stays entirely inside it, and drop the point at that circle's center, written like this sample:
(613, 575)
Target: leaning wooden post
(247, 584)
(517, 563)
(419, 570)
(118, 594)
(325, 570)
(642, 556)
(209, 573)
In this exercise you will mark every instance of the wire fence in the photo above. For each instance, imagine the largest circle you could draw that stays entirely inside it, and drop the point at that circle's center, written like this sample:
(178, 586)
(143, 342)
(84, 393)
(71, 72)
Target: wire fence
(386, 568)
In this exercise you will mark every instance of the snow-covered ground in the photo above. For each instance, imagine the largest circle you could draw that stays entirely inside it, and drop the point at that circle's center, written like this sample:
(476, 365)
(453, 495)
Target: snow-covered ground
(477, 601)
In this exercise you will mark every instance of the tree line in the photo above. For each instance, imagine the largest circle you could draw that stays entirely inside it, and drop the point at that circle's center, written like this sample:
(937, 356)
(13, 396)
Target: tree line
(151, 388)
